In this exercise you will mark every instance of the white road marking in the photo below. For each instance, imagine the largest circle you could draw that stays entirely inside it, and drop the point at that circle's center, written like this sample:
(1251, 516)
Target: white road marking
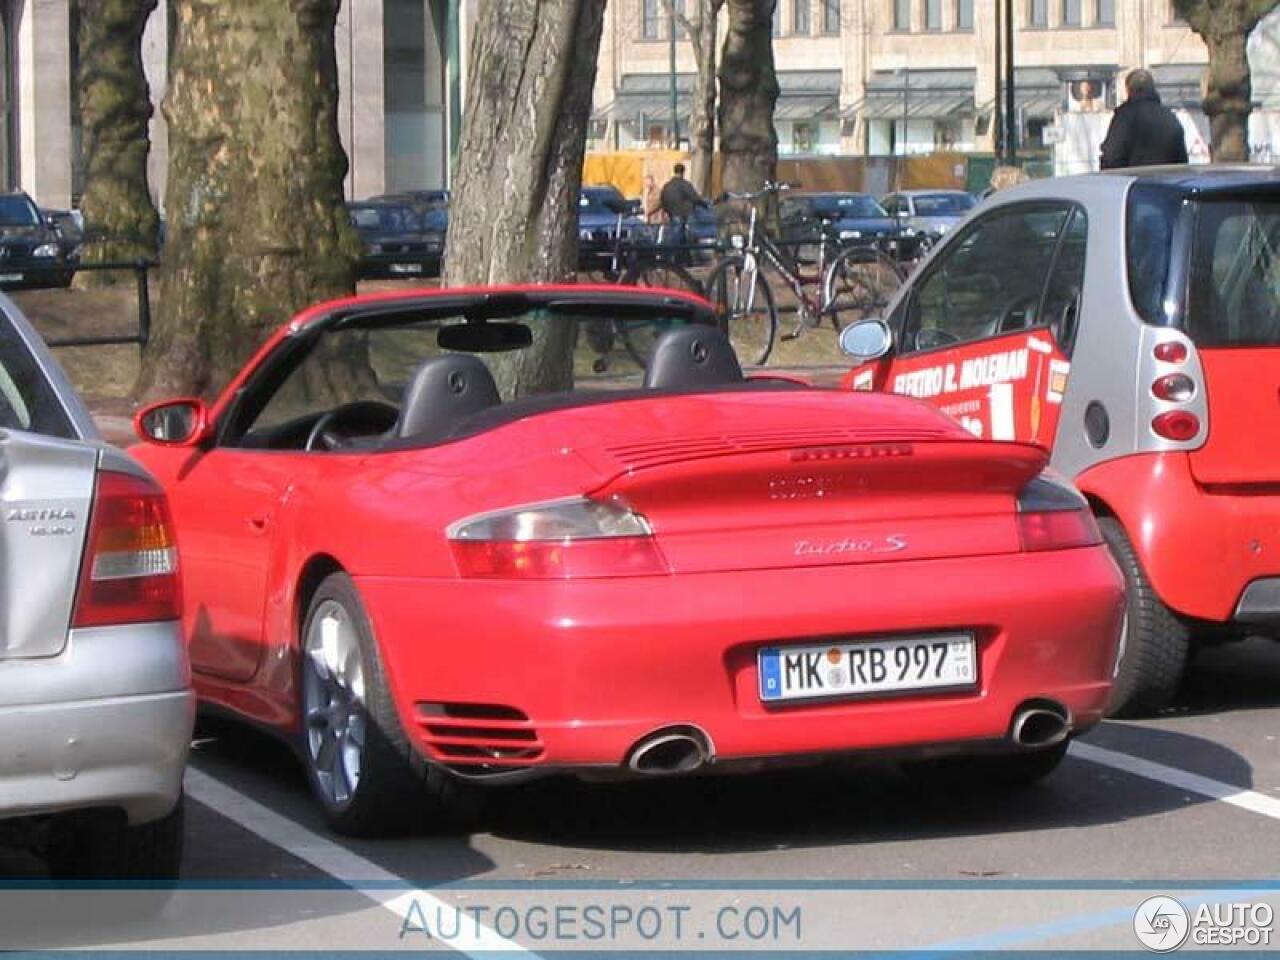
(389, 889)
(1249, 800)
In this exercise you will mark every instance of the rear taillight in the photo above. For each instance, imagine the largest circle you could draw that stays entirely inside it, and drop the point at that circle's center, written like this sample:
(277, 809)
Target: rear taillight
(1178, 425)
(130, 569)
(1179, 387)
(1174, 388)
(560, 540)
(1052, 515)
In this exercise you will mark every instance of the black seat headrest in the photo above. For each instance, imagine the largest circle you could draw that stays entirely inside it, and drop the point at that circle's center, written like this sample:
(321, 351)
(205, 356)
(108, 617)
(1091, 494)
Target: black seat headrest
(695, 355)
(443, 391)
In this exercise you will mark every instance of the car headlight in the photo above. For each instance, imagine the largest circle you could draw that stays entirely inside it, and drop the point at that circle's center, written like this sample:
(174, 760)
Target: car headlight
(45, 250)
(908, 231)
(374, 249)
(584, 235)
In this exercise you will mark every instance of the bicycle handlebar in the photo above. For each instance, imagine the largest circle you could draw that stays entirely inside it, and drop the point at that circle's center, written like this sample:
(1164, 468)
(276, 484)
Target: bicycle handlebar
(766, 190)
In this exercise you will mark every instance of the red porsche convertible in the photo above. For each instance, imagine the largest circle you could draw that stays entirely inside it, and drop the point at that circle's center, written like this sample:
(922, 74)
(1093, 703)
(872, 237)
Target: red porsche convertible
(420, 584)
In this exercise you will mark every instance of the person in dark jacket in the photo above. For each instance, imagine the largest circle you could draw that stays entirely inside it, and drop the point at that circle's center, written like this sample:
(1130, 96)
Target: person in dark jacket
(1143, 131)
(678, 200)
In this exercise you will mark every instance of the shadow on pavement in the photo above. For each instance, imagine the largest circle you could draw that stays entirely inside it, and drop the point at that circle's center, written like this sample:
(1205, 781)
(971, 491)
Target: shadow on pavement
(236, 886)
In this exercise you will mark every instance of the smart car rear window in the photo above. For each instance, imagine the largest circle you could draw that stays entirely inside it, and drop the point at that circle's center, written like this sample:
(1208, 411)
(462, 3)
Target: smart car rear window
(1150, 219)
(1234, 291)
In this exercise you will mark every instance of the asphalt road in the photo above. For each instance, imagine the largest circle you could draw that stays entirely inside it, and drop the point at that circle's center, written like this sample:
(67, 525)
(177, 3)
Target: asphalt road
(1191, 795)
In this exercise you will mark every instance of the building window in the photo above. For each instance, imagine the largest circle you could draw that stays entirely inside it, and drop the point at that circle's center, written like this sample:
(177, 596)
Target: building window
(1038, 13)
(802, 138)
(964, 14)
(777, 18)
(1174, 16)
(800, 17)
(933, 14)
(1071, 11)
(1104, 14)
(830, 16)
(650, 28)
(902, 14)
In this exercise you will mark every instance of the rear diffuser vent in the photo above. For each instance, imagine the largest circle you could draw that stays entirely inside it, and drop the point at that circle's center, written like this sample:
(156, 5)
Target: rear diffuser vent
(478, 735)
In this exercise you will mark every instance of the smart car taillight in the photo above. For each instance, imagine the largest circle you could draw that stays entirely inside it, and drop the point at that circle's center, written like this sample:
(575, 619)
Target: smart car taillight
(1177, 425)
(130, 568)
(1052, 515)
(559, 540)
(1174, 388)
(1171, 351)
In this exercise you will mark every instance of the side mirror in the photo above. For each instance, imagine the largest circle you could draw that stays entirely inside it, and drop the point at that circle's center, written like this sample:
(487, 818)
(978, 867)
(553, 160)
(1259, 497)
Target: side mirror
(866, 340)
(173, 423)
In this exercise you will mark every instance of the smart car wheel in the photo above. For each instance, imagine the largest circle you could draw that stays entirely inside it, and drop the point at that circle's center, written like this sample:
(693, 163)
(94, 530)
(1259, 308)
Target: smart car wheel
(361, 766)
(1156, 642)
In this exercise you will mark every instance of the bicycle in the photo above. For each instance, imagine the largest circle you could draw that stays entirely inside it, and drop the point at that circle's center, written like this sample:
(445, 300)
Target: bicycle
(854, 282)
(635, 264)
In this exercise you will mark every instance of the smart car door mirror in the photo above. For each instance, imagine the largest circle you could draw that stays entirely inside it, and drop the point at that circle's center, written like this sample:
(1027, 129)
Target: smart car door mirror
(173, 423)
(867, 340)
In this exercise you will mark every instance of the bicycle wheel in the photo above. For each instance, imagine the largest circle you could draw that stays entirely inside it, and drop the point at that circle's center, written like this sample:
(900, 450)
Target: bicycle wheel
(746, 308)
(638, 336)
(859, 284)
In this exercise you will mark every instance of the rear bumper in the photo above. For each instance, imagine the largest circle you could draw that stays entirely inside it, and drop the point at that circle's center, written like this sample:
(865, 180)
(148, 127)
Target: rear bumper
(106, 723)
(1210, 555)
(125, 753)
(574, 674)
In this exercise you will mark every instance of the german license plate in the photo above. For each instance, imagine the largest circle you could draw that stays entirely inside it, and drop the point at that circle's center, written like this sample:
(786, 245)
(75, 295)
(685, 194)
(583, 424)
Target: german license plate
(865, 667)
(11, 278)
(406, 268)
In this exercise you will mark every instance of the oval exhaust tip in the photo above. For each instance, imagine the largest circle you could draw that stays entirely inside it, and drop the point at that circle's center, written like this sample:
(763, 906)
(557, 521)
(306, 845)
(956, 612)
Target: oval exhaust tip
(1039, 727)
(668, 752)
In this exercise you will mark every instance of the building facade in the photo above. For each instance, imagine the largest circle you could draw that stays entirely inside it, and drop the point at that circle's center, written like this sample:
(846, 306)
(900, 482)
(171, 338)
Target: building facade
(885, 77)
(401, 65)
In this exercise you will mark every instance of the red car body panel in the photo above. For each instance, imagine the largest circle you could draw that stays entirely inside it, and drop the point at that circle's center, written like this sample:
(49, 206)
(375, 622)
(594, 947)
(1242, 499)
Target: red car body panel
(784, 514)
(1232, 534)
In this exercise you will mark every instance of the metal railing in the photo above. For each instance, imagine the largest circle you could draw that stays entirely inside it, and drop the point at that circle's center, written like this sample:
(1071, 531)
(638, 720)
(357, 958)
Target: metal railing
(140, 269)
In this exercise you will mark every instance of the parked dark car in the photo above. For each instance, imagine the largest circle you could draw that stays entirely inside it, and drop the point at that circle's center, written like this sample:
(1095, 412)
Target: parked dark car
(847, 219)
(599, 209)
(69, 226)
(398, 238)
(31, 251)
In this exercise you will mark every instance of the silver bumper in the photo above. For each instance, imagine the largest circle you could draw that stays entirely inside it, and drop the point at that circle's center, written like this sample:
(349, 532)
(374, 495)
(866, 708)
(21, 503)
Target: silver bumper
(106, 723)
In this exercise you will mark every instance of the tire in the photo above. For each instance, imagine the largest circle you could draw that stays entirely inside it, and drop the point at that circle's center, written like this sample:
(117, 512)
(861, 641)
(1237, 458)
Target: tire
(363, 771)
(749, 316)
(1156, 641)
(859, 284)
(87, 847)
(639, 336)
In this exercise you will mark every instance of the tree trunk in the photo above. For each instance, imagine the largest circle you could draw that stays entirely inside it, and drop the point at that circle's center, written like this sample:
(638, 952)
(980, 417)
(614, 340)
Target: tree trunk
(1229, 97)
(115, 108)
(513, 216)
(703, 32)
(1224, 26)
(257, 228)
(748, 93)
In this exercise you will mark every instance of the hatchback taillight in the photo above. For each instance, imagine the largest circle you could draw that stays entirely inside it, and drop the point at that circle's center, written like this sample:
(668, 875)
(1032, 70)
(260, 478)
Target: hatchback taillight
(1052, 515)
(130, 568)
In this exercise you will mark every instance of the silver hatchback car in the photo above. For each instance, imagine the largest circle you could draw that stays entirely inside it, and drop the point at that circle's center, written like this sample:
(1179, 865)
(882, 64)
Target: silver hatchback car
(96, 706)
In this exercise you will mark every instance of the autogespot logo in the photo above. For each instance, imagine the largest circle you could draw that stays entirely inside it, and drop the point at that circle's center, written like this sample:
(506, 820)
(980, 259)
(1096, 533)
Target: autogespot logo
(1161, 924)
